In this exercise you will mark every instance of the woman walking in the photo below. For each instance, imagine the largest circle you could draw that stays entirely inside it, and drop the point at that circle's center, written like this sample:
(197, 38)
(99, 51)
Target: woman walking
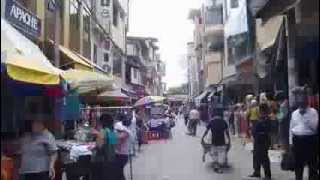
(104, 159)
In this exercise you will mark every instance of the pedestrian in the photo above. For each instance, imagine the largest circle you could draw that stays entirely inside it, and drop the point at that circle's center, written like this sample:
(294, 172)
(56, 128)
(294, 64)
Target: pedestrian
(39, 152)
(252, 115)
(274, 124)
(140, 128)
(185, 114)
(194, 119)
(283, 119)
(237, 120)
(304, 136)
(133, 129)
(243, 123)
(123, 146)
(104, 156)
(220, 144)
(232, 120)
(261, 143)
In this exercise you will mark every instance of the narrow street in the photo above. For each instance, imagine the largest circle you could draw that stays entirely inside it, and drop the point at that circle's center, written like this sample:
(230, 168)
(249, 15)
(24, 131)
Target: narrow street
(181, 159)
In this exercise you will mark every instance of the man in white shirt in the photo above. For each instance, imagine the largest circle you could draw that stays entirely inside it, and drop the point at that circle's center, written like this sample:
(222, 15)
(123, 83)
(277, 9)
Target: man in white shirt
(304, 136)
(194, 118)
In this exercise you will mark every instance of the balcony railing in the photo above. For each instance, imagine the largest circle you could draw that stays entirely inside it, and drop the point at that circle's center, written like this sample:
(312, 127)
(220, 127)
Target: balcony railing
(214, 29)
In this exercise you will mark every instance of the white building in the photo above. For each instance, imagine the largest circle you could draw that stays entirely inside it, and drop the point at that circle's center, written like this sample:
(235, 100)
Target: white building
(144, 68)
(193, 73)
(109, 39)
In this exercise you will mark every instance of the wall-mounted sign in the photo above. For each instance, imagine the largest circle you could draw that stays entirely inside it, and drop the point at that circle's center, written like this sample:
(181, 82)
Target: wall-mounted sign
(23, 19)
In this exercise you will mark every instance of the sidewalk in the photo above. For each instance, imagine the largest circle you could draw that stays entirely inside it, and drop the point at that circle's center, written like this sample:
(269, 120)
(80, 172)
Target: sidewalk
(181, 159)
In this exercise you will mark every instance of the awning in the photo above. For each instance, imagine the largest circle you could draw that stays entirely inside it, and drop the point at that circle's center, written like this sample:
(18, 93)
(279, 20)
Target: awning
(202, 96)
(275, 7)
(24, 60)
(267, 32)
(115, 95)
(88, 81)
(74, 57)
(95, 66)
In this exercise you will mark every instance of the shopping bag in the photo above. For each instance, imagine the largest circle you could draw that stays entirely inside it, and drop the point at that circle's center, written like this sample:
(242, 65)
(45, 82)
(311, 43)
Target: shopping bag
(288, 161)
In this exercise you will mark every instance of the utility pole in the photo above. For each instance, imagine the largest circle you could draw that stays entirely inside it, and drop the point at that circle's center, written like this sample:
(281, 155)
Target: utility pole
(57, 28)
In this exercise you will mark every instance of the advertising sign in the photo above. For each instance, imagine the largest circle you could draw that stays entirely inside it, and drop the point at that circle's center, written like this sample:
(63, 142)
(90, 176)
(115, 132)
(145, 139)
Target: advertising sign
(23, 19)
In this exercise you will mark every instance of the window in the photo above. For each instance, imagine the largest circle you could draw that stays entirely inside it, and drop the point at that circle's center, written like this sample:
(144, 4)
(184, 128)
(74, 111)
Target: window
(214, 15)
(234, 3)
(106, 57)
(115, 15)
(95, 54)
(231, 57)
(134, 73)
(105, 2)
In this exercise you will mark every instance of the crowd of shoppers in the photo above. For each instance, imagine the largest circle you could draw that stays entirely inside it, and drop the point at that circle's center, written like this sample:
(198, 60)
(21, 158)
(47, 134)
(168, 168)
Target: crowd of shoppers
(270, 125)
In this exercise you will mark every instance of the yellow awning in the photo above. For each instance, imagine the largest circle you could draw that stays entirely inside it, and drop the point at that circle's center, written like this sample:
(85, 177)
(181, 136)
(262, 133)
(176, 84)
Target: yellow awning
(20, 68)
(267, 32)
(87, 81)
(74, 57)
(24, 60)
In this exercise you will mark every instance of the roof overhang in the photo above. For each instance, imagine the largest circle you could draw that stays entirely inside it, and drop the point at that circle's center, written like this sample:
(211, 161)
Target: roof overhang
(266, 9)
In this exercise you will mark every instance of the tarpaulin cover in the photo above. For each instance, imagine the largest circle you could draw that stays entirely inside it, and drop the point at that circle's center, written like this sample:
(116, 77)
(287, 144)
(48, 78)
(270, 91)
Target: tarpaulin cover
(87, 81)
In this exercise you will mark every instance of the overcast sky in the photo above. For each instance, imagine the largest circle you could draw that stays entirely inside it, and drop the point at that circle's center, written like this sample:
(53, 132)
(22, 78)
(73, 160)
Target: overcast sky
(168, 21)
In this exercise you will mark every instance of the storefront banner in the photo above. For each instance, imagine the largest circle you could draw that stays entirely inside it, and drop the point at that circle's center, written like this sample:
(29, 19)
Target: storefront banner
(22, 19)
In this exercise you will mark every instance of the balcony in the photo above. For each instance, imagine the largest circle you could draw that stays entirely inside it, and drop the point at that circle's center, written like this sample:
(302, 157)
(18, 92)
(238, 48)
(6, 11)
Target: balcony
(213, 30)
(213, 57)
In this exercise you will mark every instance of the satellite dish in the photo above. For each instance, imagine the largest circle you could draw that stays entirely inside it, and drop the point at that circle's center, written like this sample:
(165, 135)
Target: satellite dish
(261, 64)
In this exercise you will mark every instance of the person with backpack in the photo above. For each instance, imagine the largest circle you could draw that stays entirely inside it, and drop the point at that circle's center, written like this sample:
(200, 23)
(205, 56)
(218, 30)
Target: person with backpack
(104, 156)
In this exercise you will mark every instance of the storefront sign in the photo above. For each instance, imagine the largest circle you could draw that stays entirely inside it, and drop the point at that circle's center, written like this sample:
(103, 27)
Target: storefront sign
(22, 19)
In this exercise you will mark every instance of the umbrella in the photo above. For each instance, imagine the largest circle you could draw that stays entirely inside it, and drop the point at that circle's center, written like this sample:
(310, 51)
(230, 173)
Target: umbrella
(149, 100)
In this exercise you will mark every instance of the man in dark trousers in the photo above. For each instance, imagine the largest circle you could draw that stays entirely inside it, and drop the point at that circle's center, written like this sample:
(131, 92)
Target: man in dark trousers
(261, 144)
(304, 137)
(220, 142)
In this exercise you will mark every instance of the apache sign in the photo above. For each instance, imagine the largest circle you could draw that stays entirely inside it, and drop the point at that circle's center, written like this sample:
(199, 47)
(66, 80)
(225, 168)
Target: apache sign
(22, 19)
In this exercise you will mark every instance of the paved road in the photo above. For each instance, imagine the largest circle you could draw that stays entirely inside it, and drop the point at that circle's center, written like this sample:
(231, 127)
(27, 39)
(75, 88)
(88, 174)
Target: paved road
(180, 159)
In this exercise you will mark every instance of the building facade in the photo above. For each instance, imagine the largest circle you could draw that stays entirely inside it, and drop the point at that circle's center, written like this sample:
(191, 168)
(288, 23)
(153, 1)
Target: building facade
(193, 71)
(144, 68)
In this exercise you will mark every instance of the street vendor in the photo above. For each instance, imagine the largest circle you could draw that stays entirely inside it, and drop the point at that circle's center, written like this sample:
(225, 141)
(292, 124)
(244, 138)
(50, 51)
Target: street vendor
(39, 153)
